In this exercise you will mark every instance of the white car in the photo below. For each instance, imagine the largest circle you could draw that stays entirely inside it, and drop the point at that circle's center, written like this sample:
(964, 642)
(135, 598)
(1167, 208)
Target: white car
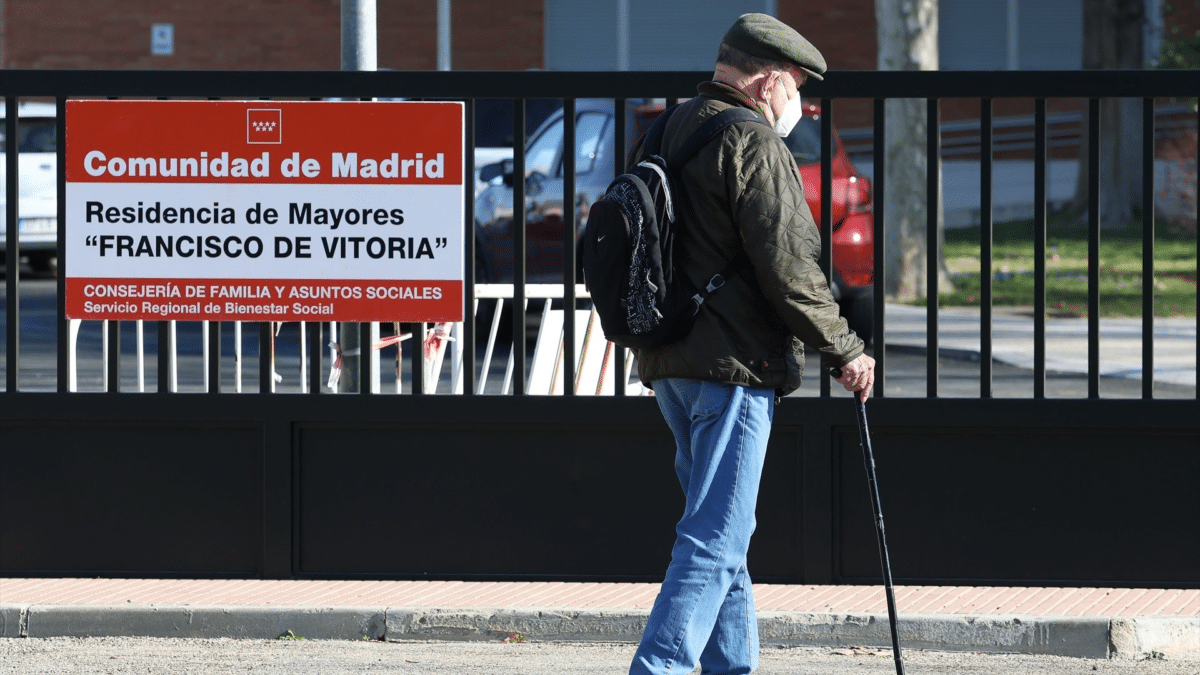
(37, 177)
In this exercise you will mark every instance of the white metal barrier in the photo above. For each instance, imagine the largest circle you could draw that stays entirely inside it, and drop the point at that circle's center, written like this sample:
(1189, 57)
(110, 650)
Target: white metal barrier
(594, 356)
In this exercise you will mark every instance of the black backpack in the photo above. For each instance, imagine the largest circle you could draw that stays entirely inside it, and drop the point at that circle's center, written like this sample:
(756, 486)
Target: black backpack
(628, 244)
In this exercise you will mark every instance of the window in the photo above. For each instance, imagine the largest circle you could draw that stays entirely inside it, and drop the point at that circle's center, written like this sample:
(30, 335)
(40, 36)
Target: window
(1010, 35)
(805, 141)
(35, 135)
(589, 134)
(543, 154)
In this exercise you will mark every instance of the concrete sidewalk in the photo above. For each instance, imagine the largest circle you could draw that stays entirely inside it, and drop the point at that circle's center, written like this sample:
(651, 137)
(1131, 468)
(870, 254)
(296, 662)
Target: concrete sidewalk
(1079, 622)
(1066, 340)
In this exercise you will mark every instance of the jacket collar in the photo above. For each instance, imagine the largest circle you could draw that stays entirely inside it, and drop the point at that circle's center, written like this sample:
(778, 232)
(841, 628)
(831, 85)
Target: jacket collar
(726, 93)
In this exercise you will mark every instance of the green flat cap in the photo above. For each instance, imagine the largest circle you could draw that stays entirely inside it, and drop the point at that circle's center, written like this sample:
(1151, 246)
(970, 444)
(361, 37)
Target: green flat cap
(766, 37)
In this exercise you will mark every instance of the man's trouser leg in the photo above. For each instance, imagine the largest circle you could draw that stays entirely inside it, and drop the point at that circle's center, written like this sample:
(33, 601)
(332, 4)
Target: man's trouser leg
(705, 610)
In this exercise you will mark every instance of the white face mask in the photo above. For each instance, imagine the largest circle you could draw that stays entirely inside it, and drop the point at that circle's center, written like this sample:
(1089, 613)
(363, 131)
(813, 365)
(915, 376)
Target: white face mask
(792, 112)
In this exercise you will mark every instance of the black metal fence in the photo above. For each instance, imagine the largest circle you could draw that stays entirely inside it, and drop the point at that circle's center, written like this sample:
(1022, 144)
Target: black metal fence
(990, 490)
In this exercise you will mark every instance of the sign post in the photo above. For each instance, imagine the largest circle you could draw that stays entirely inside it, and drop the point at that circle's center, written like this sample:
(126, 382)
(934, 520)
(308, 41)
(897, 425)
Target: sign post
(264, 211)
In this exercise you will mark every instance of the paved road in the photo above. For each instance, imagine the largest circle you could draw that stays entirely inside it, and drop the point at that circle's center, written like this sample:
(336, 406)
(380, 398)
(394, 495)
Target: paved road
(104, 656)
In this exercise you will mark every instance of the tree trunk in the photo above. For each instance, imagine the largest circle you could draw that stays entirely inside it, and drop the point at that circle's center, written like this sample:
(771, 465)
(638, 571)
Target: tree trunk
(908, 41)
(1113, 39)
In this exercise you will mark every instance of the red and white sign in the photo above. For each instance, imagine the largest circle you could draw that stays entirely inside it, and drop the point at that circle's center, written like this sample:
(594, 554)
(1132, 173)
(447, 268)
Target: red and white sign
(264, 211)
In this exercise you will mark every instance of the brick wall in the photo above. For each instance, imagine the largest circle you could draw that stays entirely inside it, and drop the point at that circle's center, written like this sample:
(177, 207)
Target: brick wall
(845, 34)
(843, 31)
(262, 34)
(498, 35)
(306, 35)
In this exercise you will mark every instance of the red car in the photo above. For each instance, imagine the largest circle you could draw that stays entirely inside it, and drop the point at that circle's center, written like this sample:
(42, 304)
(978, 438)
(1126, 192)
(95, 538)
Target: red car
(853, 229)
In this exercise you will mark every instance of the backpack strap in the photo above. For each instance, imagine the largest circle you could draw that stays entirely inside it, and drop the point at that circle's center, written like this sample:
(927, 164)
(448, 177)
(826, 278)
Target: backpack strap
(707, 131)
(699, 138)
(653, 143)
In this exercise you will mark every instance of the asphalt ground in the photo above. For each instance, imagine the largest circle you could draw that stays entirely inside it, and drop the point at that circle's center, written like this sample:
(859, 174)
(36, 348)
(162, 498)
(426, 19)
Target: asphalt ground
(1098, 623)
(123, 656)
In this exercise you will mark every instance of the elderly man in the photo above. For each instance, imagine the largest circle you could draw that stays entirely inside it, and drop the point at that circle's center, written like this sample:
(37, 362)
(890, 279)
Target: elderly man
(717, 387)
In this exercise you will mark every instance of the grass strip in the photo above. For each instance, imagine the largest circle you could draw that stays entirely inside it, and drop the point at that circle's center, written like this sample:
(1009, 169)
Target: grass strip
(1121, 275)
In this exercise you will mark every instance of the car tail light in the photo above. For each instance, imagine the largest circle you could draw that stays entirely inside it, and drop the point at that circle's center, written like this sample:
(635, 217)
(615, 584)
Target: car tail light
(858, 279)
(858, 194)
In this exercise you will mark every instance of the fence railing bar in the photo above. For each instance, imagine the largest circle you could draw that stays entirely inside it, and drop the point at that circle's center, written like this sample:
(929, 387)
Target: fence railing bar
(1148, 248)
(570, 273)
(1197, 220)
(517, 346)
(416, 357)
(266, 349)
(1040, 157)
(12, 249)
(214, 356)
(316, 335)
(1094, 122)
(113, 357)
(371, 378)
(63, 357)
(879, 188)
(518, 247)
(620, 143)
(166, 349)
(826, 261)
(985, 248)
(205, 356)
(367, 375)
(466, 336)
(932, 245)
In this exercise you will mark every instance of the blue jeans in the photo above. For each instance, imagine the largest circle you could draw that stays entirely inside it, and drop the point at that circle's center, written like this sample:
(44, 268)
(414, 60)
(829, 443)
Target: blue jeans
(705, 610)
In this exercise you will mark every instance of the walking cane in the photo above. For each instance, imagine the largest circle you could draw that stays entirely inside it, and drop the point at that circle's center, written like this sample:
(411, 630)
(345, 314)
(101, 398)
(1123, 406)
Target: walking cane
(864, 437)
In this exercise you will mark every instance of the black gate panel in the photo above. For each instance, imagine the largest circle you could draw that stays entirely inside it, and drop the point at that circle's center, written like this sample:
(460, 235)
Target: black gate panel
(472, 500)
(1069, 492)
(122, 499)
(548, 501)
(273, 485)
(1025, 506)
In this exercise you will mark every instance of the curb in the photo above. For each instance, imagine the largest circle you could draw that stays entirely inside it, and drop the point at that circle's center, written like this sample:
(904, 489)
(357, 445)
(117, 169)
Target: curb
(190, 621)
(12, 620)
(1080, 637)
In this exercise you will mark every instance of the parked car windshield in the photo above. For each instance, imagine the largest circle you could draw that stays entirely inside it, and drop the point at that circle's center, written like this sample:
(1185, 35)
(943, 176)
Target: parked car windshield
(494, 119)
(545, 153)
(34, 136)
(542, 155)
(589, 131)
(805, 141)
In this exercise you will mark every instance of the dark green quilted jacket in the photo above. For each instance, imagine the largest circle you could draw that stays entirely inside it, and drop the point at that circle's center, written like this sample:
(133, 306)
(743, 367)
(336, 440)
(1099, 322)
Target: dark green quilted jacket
(745, 194)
